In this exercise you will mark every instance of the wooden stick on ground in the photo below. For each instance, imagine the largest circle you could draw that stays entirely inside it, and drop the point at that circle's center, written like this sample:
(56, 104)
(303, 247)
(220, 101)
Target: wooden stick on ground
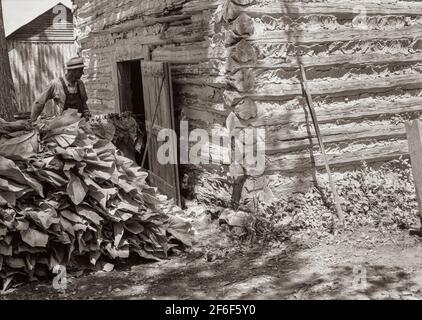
(414, 137)
(310, 102)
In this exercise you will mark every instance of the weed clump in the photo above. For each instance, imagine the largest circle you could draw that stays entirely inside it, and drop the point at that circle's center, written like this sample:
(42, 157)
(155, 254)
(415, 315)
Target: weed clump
(379, 197)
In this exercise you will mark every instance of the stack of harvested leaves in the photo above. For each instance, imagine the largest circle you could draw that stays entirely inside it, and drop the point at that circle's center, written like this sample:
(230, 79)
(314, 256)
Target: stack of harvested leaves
(69, 198)
(124, 130)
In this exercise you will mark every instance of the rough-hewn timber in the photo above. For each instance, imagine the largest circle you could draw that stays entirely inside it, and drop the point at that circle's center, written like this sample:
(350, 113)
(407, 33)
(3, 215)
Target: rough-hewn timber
(241, 55)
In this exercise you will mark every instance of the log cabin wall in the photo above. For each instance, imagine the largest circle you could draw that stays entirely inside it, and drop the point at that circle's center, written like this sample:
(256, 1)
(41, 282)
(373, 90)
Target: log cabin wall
(363, 61)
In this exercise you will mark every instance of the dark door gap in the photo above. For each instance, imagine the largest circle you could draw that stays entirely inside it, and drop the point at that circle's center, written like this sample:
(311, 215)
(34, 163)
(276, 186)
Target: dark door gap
(132, 99)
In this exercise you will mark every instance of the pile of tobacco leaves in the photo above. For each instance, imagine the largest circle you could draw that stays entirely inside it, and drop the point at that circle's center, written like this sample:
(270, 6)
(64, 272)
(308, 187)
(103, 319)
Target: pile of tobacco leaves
(69, 198)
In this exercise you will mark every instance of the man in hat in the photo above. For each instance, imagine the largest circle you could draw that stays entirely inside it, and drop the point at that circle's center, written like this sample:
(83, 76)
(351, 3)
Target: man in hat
(67, 92)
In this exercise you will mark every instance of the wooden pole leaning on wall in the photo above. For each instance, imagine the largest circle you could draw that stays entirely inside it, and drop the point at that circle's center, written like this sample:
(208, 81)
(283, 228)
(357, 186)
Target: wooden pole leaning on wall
(414, 137)
(314, 117)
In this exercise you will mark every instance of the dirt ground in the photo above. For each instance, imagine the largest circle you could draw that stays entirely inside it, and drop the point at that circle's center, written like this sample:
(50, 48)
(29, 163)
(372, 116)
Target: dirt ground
(366, 264)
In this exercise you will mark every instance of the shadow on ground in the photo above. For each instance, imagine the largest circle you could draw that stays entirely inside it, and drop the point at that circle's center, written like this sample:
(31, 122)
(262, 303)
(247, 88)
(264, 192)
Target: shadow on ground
(344, 268)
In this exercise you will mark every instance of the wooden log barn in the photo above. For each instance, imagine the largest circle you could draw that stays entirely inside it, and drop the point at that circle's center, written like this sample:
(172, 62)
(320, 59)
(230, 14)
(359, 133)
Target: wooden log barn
(40, 38)
(363, 61)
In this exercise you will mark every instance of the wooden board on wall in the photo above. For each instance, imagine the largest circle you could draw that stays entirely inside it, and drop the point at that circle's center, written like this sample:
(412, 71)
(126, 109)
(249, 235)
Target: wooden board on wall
(34, 65)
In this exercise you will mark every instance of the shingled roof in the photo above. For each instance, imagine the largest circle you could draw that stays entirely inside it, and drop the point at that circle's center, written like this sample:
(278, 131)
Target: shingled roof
(18, 13)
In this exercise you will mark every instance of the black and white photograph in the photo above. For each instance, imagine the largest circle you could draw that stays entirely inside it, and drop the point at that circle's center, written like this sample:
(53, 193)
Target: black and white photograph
(229, 151)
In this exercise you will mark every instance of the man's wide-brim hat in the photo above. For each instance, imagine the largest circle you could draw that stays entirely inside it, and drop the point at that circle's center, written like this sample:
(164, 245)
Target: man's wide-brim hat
(75, 63)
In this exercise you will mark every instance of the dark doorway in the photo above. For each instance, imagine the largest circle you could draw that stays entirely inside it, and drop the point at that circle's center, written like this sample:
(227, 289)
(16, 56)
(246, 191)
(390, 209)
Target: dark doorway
(145, 90)
(132, 100)
(130, 81)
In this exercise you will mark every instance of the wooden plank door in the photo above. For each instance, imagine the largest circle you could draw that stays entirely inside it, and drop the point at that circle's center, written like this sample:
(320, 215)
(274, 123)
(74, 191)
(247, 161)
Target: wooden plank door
(158, 98)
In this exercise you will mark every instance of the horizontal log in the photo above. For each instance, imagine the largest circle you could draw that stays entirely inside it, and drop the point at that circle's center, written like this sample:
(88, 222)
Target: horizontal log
(336, 136)
(363, 110)
(281, 91)
(285, 141)
(333, 88)
(200, 5)
(192, 33)
(307, 37)
(200, 65)
(344, 9)
(297, 163)
(283, 185)
(146, 21)
(174, 34)
(344, 60)
(189, 53)
(283, 133)
(201, 52)
(108, 13)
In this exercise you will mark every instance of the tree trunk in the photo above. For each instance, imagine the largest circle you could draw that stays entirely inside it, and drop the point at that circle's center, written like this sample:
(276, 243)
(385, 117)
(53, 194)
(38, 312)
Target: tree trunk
(8, 102)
